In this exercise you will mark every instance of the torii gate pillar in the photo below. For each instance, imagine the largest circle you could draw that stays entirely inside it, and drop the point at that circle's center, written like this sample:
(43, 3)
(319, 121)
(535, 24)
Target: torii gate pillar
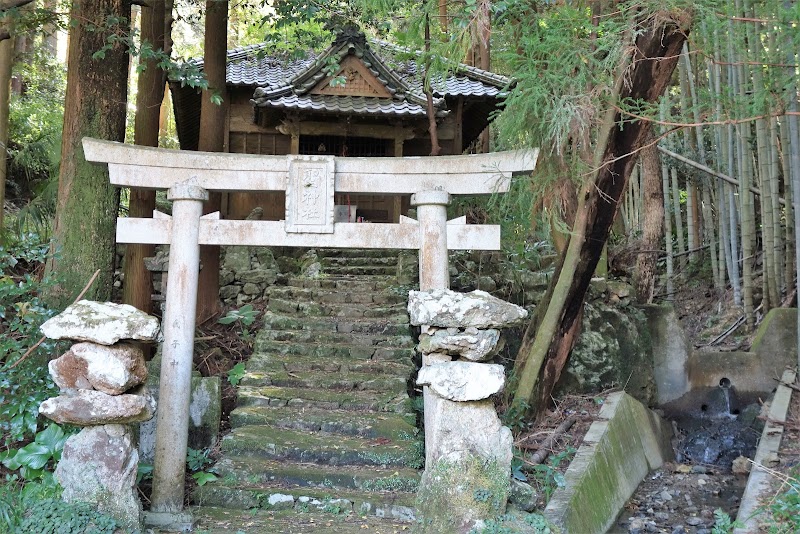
(434, 269)
(172, 423)
(434, 273)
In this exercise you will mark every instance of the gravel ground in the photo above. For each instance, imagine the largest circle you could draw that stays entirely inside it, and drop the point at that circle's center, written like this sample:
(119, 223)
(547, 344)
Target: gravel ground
(681, 499)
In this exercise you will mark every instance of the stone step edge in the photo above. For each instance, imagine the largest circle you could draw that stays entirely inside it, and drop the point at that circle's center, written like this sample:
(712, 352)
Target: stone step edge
(399, 341)
(320, 380)
(300, 398)
(319, 447)
(386, 425)
(267, 362)
(397, 506)
(252, 470)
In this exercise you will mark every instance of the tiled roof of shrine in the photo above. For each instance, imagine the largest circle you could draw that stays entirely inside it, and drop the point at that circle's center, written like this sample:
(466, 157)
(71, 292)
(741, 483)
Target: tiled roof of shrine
(355, 76)
(283, 82)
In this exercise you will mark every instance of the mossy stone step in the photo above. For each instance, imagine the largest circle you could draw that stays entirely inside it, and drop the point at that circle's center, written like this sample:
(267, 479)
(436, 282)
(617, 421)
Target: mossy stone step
(258, 471)
(266, 363)
(273, 443)
(360, 270)
(312, 336)
(326, 296)
(362, 352)
(367, 425)
(356, 261)
(348, 283)
(333, 381)
(390, 326)
(325, 399)
(315, 309)
(394, 506)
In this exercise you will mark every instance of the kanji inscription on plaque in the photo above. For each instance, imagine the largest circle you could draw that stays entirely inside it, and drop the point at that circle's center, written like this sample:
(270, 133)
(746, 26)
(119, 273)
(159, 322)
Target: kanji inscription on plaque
(309, 195)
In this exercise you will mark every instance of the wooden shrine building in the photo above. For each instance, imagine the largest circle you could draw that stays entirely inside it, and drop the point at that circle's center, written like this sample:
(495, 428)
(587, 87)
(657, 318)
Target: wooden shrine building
(372, 104)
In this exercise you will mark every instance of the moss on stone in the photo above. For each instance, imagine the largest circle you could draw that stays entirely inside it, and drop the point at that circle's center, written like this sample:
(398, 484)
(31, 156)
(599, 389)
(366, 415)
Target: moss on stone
(614, 349)
(454, 494)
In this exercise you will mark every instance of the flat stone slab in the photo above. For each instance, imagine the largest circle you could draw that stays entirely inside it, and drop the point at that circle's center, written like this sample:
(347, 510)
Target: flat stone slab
(104, 323)
(463, 381)
(449, 309)
(87, 407)
(113, 370)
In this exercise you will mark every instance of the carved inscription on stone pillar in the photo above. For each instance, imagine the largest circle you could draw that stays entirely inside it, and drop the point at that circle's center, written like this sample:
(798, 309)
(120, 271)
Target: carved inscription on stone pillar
(309, 194)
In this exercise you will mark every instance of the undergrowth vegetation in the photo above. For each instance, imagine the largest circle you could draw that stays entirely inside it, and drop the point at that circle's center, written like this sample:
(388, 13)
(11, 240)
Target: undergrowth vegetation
(30, 445)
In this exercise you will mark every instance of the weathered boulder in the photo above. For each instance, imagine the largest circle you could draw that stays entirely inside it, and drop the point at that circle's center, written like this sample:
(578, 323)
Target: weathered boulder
(614, 348)
(99, 466)
(445, 308)
(472, 344)
(236, 259)
(522, 496)
(101, 322)
(463, 381)
(113, 370)
(468, 428)
(84, 407)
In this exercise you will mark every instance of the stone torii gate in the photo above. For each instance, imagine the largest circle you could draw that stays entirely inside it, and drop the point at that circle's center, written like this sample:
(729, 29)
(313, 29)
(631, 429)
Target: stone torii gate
(310, 183)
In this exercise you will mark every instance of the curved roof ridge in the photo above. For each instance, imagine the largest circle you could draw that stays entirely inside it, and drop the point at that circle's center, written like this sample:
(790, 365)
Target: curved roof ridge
(476, 73)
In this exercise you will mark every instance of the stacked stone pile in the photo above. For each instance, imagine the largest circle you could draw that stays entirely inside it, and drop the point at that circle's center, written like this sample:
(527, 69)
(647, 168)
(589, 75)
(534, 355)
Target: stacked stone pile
(468, 451)
(101, 389)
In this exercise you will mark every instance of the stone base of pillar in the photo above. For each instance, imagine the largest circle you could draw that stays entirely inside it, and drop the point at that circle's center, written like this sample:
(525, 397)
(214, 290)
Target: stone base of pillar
(181, 522)
(457, 494)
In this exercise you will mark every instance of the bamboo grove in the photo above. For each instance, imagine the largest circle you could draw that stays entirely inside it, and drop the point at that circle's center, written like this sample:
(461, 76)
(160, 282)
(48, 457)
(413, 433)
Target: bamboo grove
(730, 158)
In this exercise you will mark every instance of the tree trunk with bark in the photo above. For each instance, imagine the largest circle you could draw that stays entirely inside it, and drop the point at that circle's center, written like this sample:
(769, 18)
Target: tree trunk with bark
(138, 284)
(212, 139)
(6, 62)
(552, 333)
(86, 210)
(653, 225)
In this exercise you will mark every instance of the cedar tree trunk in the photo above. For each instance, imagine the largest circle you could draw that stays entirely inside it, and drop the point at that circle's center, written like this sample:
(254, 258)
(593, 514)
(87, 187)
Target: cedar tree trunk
(6, 62)
(138, 284)
(653, 225)
(86, 210)
(212, 139)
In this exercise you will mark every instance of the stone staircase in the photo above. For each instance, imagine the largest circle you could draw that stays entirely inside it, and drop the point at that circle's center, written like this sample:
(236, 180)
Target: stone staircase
(323, 418)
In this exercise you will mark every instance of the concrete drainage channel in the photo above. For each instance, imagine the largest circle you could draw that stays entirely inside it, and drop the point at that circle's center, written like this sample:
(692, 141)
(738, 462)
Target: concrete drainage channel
(629, 443)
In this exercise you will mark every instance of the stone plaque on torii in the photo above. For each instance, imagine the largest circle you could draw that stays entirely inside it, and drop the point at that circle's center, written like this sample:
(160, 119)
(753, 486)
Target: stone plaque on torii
(310, 183)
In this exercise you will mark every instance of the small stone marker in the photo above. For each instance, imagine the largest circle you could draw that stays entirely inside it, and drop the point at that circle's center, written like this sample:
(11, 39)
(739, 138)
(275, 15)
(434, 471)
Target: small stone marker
(100, 390)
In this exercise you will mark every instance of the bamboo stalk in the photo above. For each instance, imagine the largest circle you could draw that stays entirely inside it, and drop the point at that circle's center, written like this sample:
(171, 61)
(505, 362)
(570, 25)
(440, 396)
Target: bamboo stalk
(745, 198)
